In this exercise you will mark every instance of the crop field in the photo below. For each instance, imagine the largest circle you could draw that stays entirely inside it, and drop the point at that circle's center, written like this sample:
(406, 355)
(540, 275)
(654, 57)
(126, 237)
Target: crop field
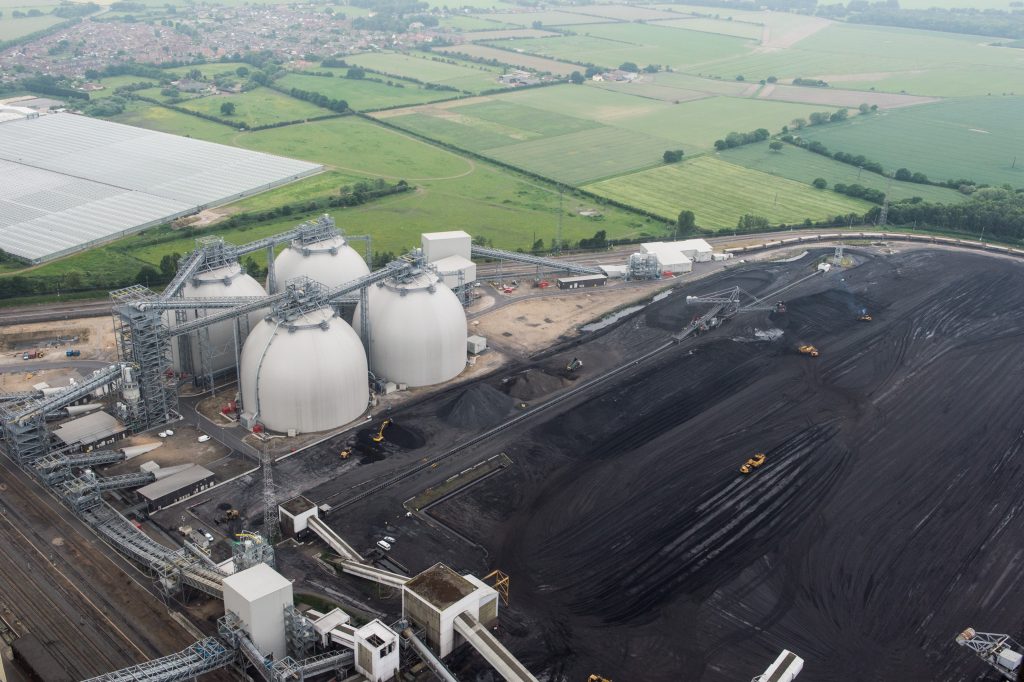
(624, 12)
(502, 34)
(11, 28)
(981, 139)
(512, 58)
(612, 44)
(551, 18)
(804, 166)
(719, 193)
(839, 98)
(471, 23)
(739, 29)
(257, 107)
(918, 62)
(461, 75)
(363, 95)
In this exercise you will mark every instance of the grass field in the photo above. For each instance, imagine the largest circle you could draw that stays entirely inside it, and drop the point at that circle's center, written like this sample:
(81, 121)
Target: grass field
(979, 139)
(550, 18)
(585, 156)
(362, 95)
(612, 44)
(157, 118)
(804, 166)
(719, 193)
(524, 61)
(472, 23)
(257, 107)
(11, 28)
(112, 83)
(431, 69)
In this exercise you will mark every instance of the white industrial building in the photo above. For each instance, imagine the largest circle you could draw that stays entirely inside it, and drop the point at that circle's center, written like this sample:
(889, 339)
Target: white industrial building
(258, 597)
(303, 374)
(438, 595)
(72, 182)
(669, 259)
(449, 255)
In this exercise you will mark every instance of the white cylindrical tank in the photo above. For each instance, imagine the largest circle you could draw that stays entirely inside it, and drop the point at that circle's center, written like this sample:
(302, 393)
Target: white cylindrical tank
(227, 280)
(417, 330)
(331, 262)
(305, 374)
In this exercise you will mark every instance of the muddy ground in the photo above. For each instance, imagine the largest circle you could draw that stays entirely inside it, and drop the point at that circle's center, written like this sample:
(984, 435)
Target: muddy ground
(886, 519)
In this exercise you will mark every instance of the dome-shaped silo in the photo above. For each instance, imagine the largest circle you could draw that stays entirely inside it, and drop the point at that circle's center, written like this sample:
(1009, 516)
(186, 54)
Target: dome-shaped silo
(332, 262)
(417, 330)
(227, 280)
(307, 373)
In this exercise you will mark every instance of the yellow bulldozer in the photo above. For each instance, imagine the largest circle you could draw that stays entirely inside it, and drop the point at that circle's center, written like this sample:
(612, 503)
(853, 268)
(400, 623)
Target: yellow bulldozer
(752, 463)
(809, 350)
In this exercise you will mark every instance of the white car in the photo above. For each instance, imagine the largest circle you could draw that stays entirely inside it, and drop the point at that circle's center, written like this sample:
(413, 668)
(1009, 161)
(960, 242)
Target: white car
(162, 434)
(383, 544)
(388, 538)
(169, 432)
(203, 438)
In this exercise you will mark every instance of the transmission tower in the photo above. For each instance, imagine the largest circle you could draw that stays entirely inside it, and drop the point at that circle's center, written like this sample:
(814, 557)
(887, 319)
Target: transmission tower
(269, 499)
(556, 248)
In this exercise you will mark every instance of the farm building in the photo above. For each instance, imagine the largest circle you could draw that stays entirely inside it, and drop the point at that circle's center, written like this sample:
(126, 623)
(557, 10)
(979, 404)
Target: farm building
(72, 182)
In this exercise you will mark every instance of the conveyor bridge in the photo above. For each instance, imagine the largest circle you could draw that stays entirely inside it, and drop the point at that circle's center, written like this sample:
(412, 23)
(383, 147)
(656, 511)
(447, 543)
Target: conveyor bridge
(202, 657)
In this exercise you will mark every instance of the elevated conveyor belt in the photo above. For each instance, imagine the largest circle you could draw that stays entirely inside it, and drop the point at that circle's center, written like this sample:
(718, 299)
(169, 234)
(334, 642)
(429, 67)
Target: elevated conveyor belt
(377, 575)
(333, 540)
(481, 639)
(202, 657)
(550, 263)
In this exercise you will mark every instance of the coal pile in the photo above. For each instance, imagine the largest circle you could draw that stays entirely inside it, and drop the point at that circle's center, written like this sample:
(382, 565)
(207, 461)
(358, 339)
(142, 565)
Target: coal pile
(478, 407)
(531, 384)
(396, 436)
(886, 518)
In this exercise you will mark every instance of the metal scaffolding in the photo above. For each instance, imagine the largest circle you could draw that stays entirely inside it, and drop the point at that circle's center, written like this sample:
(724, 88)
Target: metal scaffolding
(56, 467)
(204, 656)
(643, 266)
(85, 491)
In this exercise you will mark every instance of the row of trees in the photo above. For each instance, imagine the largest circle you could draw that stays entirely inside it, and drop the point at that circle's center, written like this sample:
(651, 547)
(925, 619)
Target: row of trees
(737, 139)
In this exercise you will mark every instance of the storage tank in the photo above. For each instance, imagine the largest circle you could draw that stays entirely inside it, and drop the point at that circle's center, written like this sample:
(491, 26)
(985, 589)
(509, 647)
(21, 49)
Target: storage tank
(227, 280)
(331, 262)
(306, 374)
(417, 330)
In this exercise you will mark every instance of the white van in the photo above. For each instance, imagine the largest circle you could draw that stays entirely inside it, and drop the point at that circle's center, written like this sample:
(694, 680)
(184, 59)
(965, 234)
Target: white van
(383, 544)
(203, 438)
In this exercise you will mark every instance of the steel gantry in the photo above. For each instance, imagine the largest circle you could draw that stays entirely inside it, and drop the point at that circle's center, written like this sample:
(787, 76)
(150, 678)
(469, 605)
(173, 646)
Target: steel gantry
(539, 261)
(204, 656)
(998, 650)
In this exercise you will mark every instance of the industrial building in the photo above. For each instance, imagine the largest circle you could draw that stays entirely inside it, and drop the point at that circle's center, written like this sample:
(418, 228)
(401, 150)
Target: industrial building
(325, 258)
(72, 182)
(437, 596)
(582, 281)
(294, 515)
(178, 486)
(93, 430)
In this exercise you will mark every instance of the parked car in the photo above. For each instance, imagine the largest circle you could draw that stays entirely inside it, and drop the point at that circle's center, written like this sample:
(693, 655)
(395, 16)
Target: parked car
(388, 538)
(383, 544)
(203, 438)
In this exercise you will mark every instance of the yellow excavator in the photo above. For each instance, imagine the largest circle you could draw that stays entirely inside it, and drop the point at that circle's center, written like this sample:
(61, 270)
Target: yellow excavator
(379, 436)
(597, 678)
(753, 463)
(864, 316)
(809, 350)
(346, 453)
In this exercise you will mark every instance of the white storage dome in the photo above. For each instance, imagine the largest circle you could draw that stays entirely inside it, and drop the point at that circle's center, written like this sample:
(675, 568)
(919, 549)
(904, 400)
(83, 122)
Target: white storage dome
(307, 374)
(417, 330)
(228, 280)
(331, 262)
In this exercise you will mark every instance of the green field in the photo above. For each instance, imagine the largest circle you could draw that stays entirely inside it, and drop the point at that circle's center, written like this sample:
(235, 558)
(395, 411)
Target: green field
(739, 29)
(363, 95)
(257, 107)
(719, 193)
(153, 117)
(804, 166)
(550, 18)
(585, 156)
(890, 60)
(981, 139)
(609, 45)
(112, 83)
(432, 69)
(472, 23)
(11, 28)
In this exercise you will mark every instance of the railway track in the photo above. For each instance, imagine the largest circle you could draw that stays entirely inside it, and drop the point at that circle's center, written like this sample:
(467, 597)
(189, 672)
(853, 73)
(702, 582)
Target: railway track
(53, 312)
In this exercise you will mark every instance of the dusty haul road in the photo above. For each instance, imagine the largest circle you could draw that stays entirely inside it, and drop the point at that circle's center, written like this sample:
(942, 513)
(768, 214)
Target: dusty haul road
(886, 519)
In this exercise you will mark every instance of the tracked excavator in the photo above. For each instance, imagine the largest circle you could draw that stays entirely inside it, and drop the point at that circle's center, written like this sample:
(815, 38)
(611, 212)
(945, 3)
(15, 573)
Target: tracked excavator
(864, 316)
(573, 365)
(379, 436)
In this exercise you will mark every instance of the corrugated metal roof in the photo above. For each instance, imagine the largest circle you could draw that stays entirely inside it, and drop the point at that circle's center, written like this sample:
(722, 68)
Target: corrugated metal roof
(71, 181)
(88, 429)
(178, 481)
